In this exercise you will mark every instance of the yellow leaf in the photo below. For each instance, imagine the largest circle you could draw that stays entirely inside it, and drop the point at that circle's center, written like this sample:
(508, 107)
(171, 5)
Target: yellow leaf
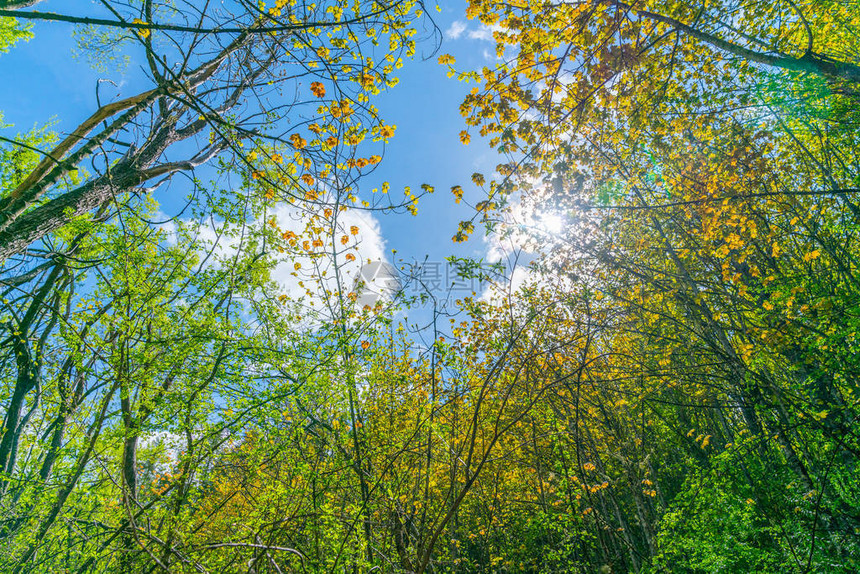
(298, 141)
(142, 32)
(318, 89)
(458, 193)
(812, 255)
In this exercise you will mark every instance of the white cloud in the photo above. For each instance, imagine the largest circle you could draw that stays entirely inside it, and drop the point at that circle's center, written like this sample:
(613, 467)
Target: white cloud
(332, 272)
(502, 291)
(526, 228)
(322, 273)
(527, 232)
(455, 30)
(484, 33)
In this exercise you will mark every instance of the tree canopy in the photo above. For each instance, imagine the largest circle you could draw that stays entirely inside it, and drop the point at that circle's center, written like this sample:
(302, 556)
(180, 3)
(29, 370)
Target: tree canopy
(207, 364)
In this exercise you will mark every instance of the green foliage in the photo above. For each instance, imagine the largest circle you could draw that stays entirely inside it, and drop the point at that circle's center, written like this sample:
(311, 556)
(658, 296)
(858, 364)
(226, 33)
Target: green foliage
(103, 49)
(715, 524)
(11, 31)
(673, 388)
(18, 160)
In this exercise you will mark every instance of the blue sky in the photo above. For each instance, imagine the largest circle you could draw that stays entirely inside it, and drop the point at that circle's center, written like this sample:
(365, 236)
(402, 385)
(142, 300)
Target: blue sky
(42, 80)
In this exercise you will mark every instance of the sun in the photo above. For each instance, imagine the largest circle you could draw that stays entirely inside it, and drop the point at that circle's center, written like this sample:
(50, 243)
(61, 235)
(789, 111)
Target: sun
(551, 223)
